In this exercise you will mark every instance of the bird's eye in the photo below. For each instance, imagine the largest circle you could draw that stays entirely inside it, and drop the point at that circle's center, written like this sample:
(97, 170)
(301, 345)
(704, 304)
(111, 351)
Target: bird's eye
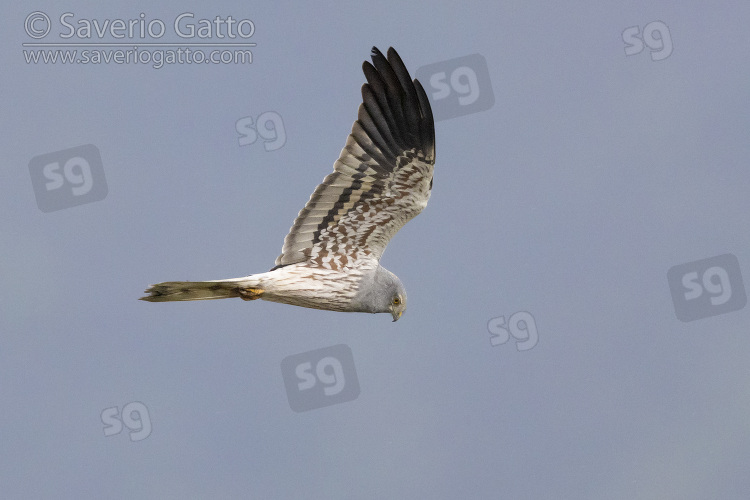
(396, 301)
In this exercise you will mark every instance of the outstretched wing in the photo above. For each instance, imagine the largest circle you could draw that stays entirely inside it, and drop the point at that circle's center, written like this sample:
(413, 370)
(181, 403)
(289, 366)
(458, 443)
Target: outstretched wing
(381, 180)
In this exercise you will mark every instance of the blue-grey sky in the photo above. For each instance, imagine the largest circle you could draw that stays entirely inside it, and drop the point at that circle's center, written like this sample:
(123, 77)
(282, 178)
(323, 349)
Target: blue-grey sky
(613, 148)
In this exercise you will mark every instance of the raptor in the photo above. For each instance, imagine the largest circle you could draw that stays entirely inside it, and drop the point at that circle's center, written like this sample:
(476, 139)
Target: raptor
(382, 179)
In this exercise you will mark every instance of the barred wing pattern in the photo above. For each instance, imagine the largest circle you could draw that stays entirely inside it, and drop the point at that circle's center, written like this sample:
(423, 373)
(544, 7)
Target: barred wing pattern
(381, 180)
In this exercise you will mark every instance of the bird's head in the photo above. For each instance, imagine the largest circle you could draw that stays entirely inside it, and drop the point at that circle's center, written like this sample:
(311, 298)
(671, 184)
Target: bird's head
(381, 292)
(394, 292)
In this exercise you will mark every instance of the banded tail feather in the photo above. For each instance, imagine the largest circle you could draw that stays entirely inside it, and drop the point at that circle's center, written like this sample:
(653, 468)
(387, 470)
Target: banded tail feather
(172, 291)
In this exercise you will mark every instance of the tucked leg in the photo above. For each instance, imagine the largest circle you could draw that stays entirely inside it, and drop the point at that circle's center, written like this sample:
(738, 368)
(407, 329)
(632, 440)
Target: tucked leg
(250, 293)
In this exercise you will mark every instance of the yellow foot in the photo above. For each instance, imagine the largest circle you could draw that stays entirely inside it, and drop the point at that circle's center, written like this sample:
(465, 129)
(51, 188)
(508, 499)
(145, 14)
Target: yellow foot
(250, 293)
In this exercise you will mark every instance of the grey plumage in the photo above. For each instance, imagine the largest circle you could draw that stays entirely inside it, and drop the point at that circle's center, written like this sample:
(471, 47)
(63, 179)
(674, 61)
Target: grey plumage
(383, 288)
(382, 179)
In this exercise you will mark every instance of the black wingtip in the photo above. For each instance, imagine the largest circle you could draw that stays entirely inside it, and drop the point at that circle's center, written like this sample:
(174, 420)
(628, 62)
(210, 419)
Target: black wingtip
(397, 105)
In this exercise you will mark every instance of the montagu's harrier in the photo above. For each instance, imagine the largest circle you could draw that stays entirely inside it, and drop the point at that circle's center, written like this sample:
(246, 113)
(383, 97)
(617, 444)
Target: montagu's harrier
(382, 179)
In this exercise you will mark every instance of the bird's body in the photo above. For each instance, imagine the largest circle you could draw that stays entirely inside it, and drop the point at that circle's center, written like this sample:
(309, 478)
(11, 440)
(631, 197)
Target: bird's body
(382, 179)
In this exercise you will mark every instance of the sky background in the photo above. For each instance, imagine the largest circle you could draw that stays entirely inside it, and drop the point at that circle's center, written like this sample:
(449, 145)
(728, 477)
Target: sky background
(569, 196)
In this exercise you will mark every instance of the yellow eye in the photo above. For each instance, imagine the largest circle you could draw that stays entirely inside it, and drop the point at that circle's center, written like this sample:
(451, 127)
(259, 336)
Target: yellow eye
(396, 301)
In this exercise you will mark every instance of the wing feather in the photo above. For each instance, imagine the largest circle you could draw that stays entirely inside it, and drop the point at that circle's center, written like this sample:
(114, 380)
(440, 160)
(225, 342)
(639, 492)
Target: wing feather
(382, 178)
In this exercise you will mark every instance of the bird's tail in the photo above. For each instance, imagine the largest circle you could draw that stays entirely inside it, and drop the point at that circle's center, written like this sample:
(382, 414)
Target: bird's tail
(246, 288)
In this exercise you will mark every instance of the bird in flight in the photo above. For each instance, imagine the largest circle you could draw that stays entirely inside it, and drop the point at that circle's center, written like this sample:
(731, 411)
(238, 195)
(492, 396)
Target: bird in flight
(383, 177)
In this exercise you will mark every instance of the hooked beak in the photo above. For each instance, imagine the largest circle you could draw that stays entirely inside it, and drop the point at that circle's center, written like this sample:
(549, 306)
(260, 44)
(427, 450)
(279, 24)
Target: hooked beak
(396, 315)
